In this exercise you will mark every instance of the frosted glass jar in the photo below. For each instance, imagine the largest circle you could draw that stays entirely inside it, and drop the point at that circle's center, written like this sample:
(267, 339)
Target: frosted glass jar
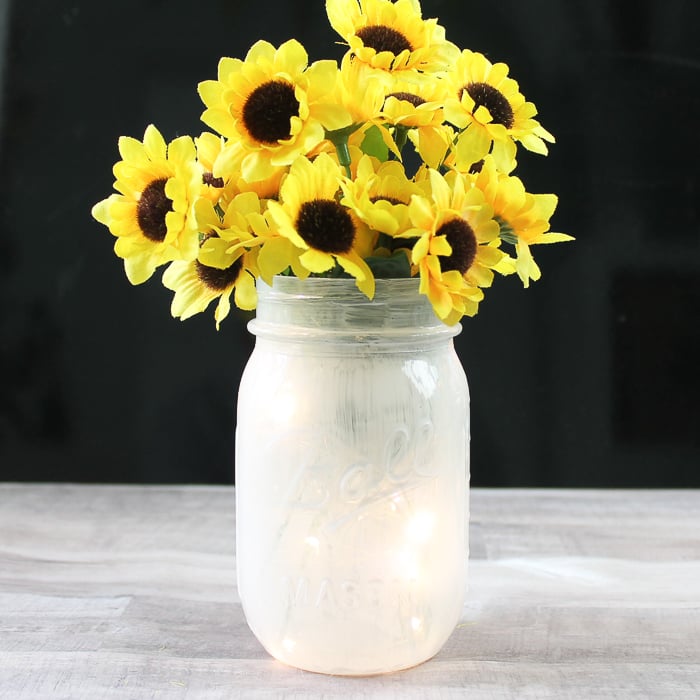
(352, 470)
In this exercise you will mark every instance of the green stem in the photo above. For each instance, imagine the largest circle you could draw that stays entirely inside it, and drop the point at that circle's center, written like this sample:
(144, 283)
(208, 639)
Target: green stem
(339, 138)
(344, 156)
(400, 136)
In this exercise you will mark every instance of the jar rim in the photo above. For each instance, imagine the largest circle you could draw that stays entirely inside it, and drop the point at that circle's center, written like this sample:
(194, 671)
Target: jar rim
(320, 309)
(315, 287)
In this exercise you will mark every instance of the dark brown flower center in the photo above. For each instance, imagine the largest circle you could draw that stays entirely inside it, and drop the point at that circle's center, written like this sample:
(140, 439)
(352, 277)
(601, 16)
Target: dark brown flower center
(219, 280)
(382, 38)
(326, 226)
(485, 95)
(268, 110)
(151, 210)
(408, 97)
(209, 179)
(462, 240)
(391, 200)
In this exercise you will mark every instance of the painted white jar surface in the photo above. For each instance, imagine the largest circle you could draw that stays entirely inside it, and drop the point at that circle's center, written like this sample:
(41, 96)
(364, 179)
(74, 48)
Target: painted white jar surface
(352, 471)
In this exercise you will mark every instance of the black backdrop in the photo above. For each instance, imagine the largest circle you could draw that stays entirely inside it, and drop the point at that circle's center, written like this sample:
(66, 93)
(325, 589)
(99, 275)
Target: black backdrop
(589, 378)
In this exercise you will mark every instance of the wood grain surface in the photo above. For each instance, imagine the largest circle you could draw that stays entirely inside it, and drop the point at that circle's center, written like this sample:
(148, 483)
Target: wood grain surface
(130, 592)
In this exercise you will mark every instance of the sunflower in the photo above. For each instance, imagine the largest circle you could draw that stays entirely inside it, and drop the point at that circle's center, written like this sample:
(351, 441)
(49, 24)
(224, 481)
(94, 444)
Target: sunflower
(276, 105)
(416, 112)
(361, 93)
(224, 264)
(225, 168)
(457, 248)
(523, 217)
(151, 217)
(392, 37)
(488, 106)
(196, 284)
(246, 223)
(379, 195)
(209, 147)
(276, 253)
(311, 217)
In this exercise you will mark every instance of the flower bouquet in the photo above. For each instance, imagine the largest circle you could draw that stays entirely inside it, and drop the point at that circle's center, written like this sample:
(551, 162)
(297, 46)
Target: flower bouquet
(397, 162)
(352, 436)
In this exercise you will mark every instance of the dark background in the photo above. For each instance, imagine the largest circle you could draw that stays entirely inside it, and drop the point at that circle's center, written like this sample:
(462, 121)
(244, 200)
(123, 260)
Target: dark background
(588, 378)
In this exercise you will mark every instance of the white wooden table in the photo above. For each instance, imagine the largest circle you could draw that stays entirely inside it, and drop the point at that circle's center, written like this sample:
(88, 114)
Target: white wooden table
(130, 592)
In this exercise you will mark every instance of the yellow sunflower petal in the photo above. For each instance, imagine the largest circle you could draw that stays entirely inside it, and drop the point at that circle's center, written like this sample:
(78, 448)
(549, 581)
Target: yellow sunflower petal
(132, 150)
(421, 213)
(139, 268)
(316, 261)
(354, 265)
(472, 145)
(276, 256)
(101, 210)
(552, 237)
(420, 249)
(154, 143)
(526, 266)
(223, 308)
(480, 276)
(182, 149)
(246, 295)
(291, 57)
(440, 246)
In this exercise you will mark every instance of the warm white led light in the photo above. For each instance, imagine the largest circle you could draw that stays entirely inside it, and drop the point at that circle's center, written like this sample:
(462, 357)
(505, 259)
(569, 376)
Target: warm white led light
(286, 405)
(313, 542)
(420, 527)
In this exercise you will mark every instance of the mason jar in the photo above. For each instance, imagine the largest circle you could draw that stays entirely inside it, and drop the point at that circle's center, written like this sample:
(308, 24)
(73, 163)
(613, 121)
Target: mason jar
(352, 472)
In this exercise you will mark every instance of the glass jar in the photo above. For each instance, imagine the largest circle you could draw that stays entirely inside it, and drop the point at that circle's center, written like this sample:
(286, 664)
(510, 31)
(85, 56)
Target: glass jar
(352, 471)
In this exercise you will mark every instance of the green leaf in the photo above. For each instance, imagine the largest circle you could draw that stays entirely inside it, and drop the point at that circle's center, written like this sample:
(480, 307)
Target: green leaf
(394, 266)
(373, 144)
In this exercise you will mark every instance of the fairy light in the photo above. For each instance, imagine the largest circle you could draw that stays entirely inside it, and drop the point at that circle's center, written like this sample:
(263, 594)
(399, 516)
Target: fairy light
(286, 405)
(313, 542)
(420, 527)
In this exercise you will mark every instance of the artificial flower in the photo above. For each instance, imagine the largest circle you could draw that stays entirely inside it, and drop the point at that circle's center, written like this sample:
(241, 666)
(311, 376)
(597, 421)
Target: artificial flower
(224, 264)
(415, 110)
(151, 217)
(523, 218)
(457, 247)
(361, 93)
(225, 169)
(273, 103)
(491, 113)
(209, 147)
(379, 195)
(246, 224)
(311, 217)
(196, 284)
(392, 37)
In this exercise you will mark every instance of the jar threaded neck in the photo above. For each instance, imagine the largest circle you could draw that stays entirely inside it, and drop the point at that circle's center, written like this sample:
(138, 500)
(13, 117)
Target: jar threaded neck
(320, 308)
